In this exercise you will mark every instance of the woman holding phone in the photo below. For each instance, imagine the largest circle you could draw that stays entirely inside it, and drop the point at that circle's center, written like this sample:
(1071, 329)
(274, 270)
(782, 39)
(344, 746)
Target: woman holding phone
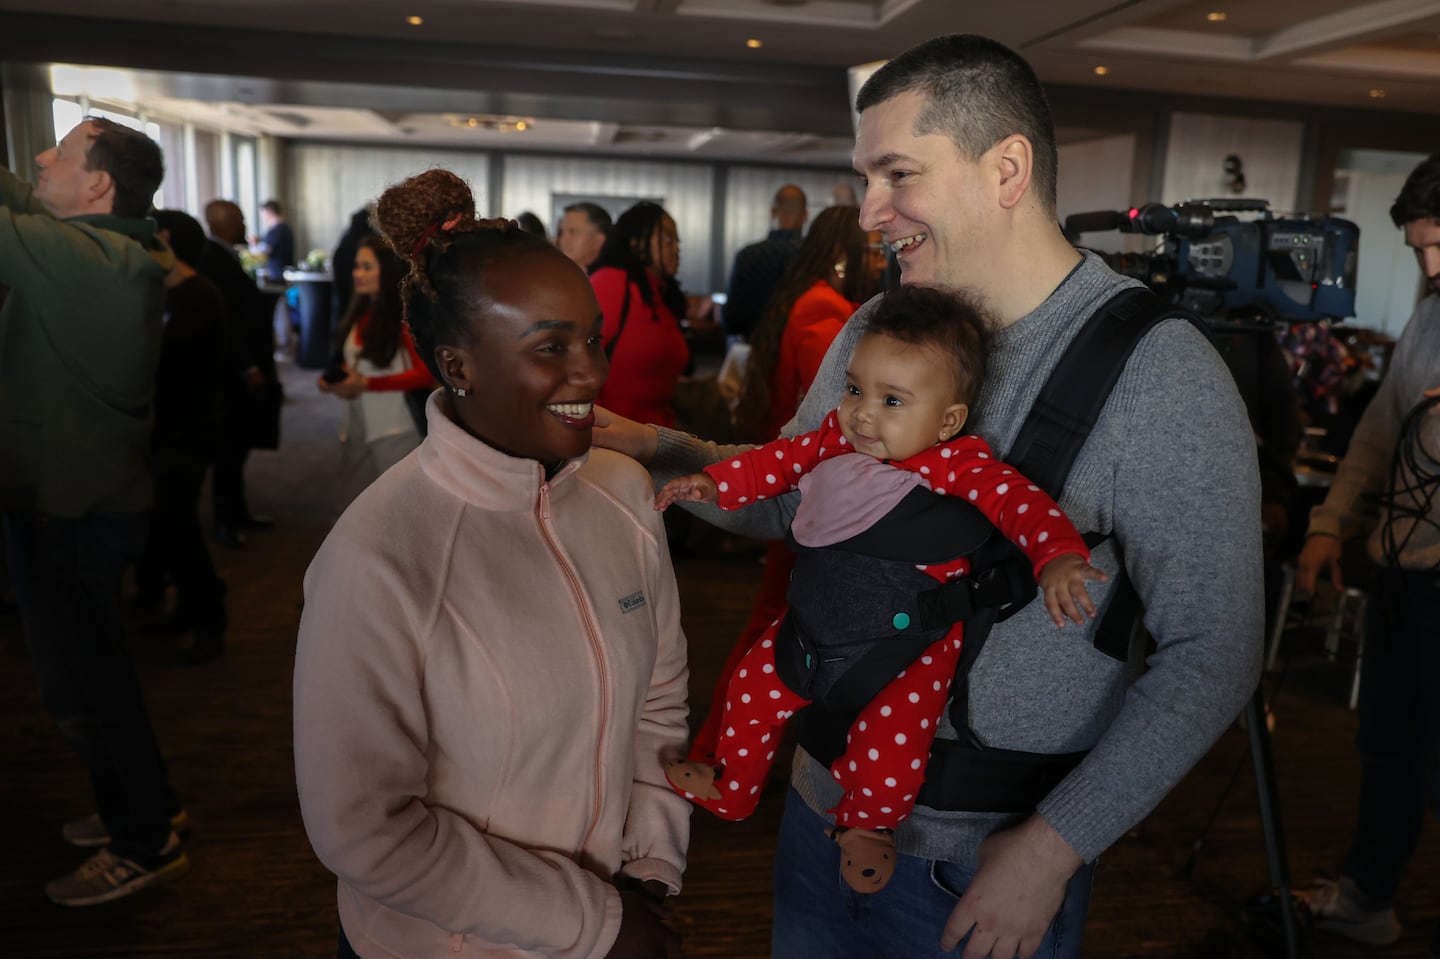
(378, 365)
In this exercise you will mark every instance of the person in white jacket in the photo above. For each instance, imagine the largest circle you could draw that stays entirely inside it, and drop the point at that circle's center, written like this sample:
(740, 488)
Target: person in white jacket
(491, 672)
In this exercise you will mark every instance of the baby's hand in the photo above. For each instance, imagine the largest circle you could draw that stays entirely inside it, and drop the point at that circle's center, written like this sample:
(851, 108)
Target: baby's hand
(695, 488)
(1063, 582)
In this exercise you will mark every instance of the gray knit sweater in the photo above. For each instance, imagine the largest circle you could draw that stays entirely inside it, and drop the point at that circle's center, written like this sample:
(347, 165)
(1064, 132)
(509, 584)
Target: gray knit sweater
(1414, 366)
(1170, 471)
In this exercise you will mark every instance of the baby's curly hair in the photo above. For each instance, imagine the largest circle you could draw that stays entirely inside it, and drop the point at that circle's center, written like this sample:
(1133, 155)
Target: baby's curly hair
(949, 320)
(429, 221)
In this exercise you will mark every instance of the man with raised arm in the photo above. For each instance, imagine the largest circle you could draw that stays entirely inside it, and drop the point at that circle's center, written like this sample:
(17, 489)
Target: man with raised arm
(79, 342)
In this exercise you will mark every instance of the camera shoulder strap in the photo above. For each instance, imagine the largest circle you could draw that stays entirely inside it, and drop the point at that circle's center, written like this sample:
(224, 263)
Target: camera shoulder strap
(963, 774)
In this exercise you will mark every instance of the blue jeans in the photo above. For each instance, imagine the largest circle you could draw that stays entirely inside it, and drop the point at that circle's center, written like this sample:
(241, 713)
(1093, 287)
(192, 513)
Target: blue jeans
(67, 575)
(817, 916)
(1398, 732)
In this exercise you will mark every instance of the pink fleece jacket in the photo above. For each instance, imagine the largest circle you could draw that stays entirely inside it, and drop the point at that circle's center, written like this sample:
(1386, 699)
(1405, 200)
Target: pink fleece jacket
(489, 678)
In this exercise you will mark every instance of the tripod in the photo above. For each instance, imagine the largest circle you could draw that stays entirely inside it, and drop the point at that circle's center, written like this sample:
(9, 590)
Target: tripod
(1274, 914)
(1270, 825)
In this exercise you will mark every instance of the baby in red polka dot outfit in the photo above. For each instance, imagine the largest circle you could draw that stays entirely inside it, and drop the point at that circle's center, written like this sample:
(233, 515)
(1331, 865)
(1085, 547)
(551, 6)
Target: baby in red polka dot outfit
(911, 380)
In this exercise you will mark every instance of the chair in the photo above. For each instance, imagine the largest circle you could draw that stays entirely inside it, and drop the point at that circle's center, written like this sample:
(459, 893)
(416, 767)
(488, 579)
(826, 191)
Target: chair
(1343, 618)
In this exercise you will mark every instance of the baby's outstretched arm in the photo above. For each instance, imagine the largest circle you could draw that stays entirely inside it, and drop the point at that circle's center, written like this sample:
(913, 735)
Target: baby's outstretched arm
(695, 488)
(1063, 583)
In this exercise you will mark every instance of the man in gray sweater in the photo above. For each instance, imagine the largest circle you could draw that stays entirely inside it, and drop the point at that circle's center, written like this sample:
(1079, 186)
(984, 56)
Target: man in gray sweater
(957, 149)
(1399, 708)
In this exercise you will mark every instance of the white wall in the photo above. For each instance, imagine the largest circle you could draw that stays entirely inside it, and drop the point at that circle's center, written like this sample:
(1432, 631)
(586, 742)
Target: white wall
(1269, 149)
(1097, 175)
(1387, 282)
(684, 189)
(328, 183)
(749, 192)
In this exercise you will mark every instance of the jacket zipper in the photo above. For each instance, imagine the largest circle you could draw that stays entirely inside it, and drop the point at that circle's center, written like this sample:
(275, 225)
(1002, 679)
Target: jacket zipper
(591, 633)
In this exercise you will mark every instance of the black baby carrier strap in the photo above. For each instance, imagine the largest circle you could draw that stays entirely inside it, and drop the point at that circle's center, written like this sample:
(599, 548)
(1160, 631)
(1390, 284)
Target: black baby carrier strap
(963, 774)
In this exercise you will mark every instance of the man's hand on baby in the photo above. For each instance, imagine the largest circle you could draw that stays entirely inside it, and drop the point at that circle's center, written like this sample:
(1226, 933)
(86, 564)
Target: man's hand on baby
(1062, 581)
(695, 488)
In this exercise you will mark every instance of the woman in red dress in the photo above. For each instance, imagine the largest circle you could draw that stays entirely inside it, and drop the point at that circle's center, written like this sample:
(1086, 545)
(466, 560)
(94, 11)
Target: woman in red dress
(634, 281)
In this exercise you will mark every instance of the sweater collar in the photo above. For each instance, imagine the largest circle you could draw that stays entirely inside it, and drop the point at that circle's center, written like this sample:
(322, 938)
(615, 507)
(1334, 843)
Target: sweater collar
(1057, 308)
(478, 473)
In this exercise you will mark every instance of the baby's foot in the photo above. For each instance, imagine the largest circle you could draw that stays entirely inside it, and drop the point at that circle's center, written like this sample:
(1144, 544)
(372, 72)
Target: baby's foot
(706, 785)
(867, 857)
(694, 781)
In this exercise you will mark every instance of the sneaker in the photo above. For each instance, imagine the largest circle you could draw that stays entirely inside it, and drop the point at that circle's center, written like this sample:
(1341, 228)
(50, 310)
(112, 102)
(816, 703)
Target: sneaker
(89, 831)
(106, 876)
(1340, 907)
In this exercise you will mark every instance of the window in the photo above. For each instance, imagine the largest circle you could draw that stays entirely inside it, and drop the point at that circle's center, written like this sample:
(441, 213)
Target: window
(68, 115)
(124, 119)
(207, 166)
(243, 165)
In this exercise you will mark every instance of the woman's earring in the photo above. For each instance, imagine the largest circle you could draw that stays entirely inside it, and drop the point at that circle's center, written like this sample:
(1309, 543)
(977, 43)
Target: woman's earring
(459, 392)
(840, 269)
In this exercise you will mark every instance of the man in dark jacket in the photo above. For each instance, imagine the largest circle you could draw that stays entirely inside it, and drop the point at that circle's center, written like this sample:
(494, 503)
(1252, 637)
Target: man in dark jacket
(759, 266)
(253, 397)
(191, 386)
(79, 342)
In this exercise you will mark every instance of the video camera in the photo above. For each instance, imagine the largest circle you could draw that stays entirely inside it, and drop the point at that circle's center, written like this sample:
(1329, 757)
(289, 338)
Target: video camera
(1269, 268)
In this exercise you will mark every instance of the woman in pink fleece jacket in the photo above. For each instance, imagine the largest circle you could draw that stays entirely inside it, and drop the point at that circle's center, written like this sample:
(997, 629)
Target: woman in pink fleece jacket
(491, 674)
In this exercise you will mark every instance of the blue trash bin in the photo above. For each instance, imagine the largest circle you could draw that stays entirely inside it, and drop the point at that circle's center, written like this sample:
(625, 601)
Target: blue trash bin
(316, 344)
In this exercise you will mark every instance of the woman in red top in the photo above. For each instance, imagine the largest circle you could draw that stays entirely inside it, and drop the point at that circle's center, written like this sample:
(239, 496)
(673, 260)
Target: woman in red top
(380, 364)
(634, 281)
(837, 268)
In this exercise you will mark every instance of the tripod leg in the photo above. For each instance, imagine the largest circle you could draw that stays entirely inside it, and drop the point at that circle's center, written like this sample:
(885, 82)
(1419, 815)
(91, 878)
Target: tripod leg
(1270, 825)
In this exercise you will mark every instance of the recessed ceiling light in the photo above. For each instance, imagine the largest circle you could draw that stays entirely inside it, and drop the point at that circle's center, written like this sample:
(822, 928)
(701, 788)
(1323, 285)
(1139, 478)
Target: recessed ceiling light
(497, 124)
(754, 44)
(1101, 71)
(1377, 94)
(414, 21)
(1217, 16)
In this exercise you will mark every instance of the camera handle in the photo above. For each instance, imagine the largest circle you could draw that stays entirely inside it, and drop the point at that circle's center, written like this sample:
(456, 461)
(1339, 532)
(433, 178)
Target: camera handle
(1233, 204)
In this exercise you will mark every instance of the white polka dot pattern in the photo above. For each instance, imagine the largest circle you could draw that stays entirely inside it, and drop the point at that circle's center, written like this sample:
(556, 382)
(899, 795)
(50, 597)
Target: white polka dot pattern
(887, 747)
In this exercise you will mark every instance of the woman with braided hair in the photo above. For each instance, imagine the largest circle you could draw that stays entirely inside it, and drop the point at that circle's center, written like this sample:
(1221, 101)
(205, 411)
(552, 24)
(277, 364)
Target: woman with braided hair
(490, 673)
(634, 281)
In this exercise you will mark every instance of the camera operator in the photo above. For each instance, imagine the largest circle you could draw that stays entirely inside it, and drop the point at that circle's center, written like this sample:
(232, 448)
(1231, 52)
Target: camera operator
(1393, 453)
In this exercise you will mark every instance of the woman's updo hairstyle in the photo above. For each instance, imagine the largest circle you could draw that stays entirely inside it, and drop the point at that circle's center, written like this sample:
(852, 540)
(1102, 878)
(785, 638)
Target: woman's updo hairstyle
(429, 221)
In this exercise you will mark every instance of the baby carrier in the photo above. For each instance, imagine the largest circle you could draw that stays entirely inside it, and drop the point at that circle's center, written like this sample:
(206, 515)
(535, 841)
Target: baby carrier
(854, 622)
